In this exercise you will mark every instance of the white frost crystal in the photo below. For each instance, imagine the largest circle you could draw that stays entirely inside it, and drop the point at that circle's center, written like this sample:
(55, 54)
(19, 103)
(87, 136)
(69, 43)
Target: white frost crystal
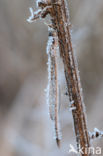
(72, 108)
(32, 16)
(96, 134)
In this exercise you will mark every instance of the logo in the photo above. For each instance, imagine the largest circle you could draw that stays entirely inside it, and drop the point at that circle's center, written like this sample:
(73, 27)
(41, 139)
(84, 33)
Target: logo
(87, 150)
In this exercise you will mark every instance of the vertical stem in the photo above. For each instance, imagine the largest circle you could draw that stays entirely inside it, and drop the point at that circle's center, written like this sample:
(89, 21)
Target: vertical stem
(60, 21)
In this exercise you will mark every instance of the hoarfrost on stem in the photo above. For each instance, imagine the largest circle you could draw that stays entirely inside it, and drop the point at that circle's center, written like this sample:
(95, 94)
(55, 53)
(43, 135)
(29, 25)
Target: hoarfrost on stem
(32, 15)
(72, 108)
(72, 102)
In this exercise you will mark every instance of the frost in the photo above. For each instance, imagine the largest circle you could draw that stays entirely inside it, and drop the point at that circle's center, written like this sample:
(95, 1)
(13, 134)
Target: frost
(97, 130)
(37, 2)
(49, 45)
(72, 149)
(45, 90)
(57, 132)
(72, 102)
(34, 15)
(96, 134)
(30, 19)
(52, 89)
(52, 92)
(72, 108)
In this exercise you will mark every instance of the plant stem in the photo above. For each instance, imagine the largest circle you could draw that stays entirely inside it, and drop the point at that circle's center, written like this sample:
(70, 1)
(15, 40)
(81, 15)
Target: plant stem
(60, 21)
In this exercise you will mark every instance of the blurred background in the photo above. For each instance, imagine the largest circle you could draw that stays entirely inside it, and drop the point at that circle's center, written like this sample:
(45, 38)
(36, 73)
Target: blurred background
(25, 127)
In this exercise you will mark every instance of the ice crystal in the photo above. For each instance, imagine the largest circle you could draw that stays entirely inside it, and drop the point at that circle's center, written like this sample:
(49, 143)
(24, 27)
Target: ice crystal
(37, 2)
(97, 130)
(72, 108)
(32, 15)
(96, 134)
(72, 102)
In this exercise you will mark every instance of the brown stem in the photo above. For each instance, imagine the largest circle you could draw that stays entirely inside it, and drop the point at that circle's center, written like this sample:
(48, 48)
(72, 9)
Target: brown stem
(60, 21)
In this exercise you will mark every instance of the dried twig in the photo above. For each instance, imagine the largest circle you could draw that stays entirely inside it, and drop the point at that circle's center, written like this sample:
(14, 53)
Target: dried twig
(60, 20)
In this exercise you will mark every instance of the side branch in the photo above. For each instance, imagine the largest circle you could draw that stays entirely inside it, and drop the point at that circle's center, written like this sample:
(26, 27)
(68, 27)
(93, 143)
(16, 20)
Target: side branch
(40, 13)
